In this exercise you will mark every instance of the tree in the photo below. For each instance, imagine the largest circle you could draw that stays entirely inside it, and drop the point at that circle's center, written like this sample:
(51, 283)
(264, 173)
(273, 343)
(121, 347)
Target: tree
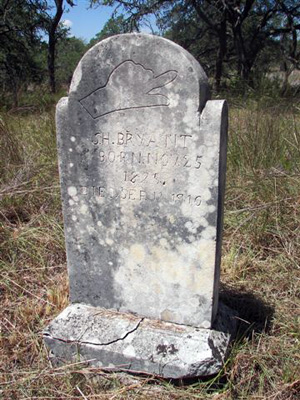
(204, 33)
(114, 26)
(51, 25)
(255, 25)
(69, 52)
(21, 25)
(191, 23)
(239, 30)
(289, 43)
(19, 45)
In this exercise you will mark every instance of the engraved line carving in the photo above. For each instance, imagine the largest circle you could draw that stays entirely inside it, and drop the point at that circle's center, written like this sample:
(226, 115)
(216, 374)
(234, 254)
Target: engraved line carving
(149, 158)
(140, 194)
(130, 85)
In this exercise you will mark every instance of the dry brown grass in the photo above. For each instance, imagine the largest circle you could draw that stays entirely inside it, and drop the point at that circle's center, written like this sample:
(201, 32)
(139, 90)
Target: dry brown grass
(260, 268)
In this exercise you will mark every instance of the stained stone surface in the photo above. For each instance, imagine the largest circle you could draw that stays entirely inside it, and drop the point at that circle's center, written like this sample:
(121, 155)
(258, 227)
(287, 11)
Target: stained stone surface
(142, 165)
(115, 341)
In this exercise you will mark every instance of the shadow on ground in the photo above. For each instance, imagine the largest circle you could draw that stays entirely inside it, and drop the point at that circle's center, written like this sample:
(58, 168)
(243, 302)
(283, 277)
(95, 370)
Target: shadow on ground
(254, 314)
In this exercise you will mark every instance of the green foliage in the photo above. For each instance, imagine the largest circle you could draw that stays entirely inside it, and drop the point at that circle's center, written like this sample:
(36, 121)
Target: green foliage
(237, 43)
(20, 44)
(24, 56)
(227, 37)
(51, 24)
(180, 23)
(69, 52)
(114, 26)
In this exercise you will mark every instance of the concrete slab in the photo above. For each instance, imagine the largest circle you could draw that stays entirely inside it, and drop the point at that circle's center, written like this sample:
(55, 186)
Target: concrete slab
(120, 341)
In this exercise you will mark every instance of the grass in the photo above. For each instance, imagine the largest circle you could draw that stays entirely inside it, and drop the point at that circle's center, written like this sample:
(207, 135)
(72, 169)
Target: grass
(260, 265)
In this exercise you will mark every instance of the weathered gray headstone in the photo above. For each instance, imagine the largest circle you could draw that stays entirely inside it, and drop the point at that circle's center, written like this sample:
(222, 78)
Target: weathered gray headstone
(142, 154)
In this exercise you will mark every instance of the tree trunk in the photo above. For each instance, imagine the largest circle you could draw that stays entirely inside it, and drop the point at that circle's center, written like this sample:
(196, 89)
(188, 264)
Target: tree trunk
(245, 73)
(244, 60)
(52, 43)
(51, 62)
(15, 96)
(285, 83)
(221, 53)
(239, 53)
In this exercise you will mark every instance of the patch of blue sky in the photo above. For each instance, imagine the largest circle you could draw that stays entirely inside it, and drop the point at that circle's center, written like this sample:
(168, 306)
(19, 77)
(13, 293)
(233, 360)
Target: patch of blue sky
(85, 22)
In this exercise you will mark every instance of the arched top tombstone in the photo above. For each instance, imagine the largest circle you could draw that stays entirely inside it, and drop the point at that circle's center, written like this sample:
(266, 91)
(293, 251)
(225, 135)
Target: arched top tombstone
(142, 153)
(138, 70)
(142, 167)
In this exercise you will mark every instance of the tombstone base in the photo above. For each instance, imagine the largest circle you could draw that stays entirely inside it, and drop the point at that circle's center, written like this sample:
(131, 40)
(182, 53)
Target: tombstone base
(117, 341)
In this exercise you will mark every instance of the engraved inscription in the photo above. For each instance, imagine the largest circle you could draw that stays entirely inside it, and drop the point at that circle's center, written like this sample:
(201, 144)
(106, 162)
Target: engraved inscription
(144, 160)
(140, 177)
(149, 158)
(137, 194)
(130, 85)
(127, 138)
(125, 148)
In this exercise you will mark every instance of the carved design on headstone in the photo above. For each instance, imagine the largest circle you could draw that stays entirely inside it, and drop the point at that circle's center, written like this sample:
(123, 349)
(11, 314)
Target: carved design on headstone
(122, 90)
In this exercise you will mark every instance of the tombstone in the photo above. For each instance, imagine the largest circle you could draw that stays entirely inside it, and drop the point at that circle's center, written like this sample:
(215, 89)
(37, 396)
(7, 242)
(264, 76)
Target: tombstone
(142, 158)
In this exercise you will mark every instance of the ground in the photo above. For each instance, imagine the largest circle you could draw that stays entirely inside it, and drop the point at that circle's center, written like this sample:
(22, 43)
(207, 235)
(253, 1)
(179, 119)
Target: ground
(260, 264)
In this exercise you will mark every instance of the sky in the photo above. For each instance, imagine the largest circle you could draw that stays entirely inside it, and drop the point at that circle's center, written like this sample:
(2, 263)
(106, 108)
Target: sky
(83, 22)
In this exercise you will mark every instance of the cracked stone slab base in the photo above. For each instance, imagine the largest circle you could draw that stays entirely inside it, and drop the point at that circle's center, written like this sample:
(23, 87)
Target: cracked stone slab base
(119, 341)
